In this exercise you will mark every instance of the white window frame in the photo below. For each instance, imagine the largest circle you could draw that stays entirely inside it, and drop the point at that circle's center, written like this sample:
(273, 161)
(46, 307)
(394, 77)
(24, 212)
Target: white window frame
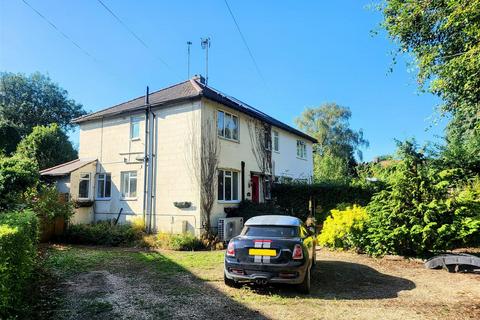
(104, 182)
(276, 137)
(128, 195)
(301, 149)
(135, 121)
(224, 122)
(231, 172)
(88, 178)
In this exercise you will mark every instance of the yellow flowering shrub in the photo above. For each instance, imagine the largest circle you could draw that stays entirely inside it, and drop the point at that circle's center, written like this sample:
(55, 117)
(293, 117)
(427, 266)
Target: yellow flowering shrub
(342, 228)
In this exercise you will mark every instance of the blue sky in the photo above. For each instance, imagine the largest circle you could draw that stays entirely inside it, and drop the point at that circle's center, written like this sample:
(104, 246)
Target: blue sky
(309, 52)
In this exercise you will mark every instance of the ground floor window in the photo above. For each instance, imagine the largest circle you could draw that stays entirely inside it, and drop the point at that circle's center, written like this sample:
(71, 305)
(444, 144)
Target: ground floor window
(84, 186)
(104, 185)
(128, 184)
(227, 185)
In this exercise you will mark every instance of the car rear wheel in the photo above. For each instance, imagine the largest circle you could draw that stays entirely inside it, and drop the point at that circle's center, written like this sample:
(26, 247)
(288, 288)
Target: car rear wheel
(229, 282)
(304, 287)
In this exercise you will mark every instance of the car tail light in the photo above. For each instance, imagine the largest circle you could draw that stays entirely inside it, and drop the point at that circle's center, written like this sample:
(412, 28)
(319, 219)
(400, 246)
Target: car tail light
(237, 271)
(231, 249)
(287, 275)
(297, 252)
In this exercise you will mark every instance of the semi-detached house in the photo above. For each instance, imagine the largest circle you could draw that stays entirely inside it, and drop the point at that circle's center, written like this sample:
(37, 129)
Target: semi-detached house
(145, 158)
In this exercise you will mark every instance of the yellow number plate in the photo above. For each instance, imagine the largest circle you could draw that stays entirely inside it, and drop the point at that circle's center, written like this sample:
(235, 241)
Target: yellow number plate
(262, 252)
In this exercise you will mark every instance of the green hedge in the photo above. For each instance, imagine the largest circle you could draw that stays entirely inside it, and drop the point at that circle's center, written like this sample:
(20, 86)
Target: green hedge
(294, 198)
(103, 233)
(18, 252)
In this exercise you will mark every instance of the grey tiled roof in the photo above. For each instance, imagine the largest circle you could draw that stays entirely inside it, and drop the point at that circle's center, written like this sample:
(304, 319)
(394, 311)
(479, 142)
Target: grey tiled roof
(190, 89)
(181, 91)
(66, 168)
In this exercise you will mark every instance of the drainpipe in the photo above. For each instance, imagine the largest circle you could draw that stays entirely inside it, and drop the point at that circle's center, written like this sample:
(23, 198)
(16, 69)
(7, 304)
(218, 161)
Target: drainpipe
(151, 163)
(243, 179)
(153, 210)
(145, 157)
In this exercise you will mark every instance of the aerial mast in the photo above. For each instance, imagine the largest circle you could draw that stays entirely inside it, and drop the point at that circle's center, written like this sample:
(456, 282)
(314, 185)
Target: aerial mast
(205, 42)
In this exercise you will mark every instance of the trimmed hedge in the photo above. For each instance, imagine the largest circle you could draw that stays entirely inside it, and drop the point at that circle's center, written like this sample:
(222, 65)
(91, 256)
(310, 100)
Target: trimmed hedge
(294, 198)
(103, 233)
(18, 252)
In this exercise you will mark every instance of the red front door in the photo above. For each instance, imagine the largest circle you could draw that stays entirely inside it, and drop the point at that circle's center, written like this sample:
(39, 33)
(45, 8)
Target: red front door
(255, 189)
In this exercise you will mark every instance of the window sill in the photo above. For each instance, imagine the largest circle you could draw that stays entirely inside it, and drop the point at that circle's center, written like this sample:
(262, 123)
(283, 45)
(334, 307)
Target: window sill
(276, 151)
(128, 199)
(304, 159)
(134, 139)
(103, 199)
(228, 202)
(226, 139)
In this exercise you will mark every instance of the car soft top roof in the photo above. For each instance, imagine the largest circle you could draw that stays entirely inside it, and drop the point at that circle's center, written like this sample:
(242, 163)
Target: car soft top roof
(273, 220)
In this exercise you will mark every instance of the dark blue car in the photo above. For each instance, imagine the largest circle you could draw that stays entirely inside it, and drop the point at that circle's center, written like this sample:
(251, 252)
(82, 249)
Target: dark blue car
(271, 249)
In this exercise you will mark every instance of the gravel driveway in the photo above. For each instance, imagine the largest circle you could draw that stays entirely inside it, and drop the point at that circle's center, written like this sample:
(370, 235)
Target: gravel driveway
(102, 283)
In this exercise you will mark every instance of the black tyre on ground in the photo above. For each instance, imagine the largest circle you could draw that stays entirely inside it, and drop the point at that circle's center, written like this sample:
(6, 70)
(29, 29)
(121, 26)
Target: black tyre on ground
(304, 287)
(229, 282)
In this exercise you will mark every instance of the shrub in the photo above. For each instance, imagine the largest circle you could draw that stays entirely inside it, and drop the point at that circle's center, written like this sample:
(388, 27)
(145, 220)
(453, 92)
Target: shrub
(421, 212)
(343, 228)
(180, 242)
(48, 204)
(103, 233)
(18, 251)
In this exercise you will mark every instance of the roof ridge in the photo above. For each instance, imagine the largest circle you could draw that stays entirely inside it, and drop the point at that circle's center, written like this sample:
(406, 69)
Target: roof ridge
(196, 85)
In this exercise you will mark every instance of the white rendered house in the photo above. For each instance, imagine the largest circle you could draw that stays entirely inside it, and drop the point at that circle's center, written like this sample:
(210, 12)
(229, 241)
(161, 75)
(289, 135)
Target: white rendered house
(144, 157)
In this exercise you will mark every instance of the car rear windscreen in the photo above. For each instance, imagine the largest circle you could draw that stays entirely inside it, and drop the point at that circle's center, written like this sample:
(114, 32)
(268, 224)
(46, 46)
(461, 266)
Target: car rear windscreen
(270, 231)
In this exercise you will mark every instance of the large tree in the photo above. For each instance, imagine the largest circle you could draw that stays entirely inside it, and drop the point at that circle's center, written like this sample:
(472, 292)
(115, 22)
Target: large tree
(337, 142)
(444, 38)
(29, 101)
(47, 145)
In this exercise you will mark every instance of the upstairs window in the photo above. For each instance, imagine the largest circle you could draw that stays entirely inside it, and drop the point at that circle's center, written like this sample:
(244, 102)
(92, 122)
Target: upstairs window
(104, 186)
(276, 142)
(227, 125)
(135, 128)
(84, 186)
(301, 149)
(227, 185)
(128, 184)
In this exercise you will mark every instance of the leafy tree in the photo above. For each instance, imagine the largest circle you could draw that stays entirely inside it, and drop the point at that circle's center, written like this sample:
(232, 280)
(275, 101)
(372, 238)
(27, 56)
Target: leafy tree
(9, 137)
(331, 169)
(17, 174)
(48, 146)
(29, 101)
(337, 142)
(444, 39)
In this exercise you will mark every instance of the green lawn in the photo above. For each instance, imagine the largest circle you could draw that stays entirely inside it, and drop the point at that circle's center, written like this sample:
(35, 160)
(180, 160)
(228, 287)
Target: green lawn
(102, 283)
